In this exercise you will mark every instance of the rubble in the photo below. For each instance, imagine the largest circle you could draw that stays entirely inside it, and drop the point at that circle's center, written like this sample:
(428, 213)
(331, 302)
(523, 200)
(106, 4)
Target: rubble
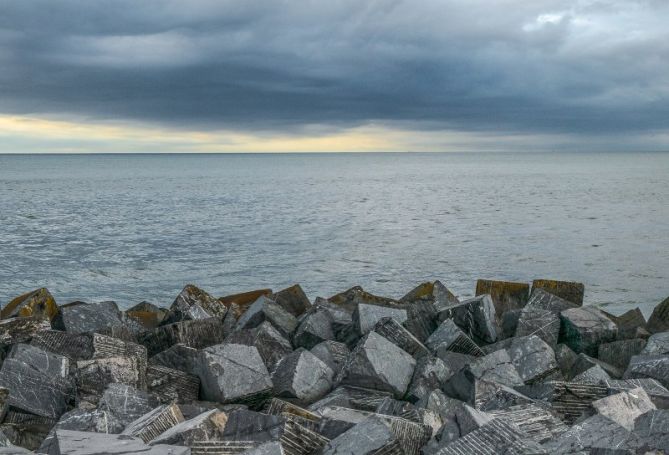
(269, 374)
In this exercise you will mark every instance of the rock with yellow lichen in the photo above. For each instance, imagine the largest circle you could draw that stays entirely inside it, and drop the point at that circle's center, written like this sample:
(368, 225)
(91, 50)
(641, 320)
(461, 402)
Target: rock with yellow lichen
(38, 303)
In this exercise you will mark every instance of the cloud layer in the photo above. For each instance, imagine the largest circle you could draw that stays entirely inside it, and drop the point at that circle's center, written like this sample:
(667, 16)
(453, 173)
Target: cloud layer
(546, 67)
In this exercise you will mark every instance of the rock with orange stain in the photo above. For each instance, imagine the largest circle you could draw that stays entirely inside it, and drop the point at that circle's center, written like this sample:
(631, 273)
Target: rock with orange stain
(39, 303)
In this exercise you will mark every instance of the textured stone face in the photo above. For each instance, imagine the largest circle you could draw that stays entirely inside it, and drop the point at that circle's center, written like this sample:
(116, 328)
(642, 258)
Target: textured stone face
(658, 344)
(332, 353)
(197, 333)
(20, 330)
(148, 315)
(650, 433)
(93, 376)
(624, 407)
(366, 316)
(534, 420)
(596, 432)
(293, 300)
(649, 366)
(476, 317)
(619, 353)
(81, 317)
(532, 357)
(659, 319)
(172, 386)
(85, 443)
(125, 403)
(38, 303)
(506, 295)
(496, 436)
(155, 422)
(232, 372)
(658, 394)
(303, 376)
(396, 333)
(194, 303)
(271, 345)
(496, 367)
(541, 316)
(265, 309)
(378, 364)
(583, 329)
(368, 437)
(179, 357)
(449, 337)
(207, 426)
(82, 420)
(568, 290)
(592, 375)
(314, 328)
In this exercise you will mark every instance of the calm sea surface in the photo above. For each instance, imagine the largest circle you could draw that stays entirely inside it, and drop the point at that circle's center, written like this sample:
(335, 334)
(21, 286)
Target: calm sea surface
(136, 227)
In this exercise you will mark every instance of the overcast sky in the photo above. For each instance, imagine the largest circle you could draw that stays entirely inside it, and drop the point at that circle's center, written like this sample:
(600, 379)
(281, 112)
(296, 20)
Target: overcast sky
(223, 75)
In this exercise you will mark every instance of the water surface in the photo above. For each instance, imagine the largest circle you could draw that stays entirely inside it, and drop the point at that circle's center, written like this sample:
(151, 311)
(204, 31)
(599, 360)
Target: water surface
(136, 227)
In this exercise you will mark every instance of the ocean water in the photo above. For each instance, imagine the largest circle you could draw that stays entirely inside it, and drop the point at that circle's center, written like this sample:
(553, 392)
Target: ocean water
(139, 227)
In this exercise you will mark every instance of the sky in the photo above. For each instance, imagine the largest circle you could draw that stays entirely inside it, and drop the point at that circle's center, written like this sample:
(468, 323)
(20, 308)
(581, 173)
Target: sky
(316, 76)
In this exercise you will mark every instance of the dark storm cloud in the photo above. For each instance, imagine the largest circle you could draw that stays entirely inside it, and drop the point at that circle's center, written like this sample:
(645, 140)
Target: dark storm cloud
(540, 66)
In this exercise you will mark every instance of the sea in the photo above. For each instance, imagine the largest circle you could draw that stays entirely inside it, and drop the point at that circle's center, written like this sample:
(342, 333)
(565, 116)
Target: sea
(134, 227)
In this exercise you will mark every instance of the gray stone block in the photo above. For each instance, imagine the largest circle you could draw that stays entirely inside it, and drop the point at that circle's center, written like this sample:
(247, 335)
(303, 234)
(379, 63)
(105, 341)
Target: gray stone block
(232, 373)
(267, 448)
(94, 376)
(81, 317)
(302, 376)
(659, 319)
(245, 425)
(476, 317)
(421, 319)
(332, 353)
(429, 374)
(207, 426)
(293, 300)
(541, 316)
(172, 386)
(379, 364)
(657, 344)
(25, 429)
(584, 329)
(650, 433)
(33, 390)
(536, 421)
(592, 375)
(496, 367)
(431, 292)
(179, 357)
(271, 345)
(449, 337)
(619, 353)
(658, 394)
(533, 358)
(154, 423)
(21, 330)
(315, 327)
(624, 407)
(94, 420)
(565, 358)
(263, 310)
(596, 432)
(567, 290)
(629, 323)
(366, 316)
(396, 333)
(88, 443)
(506, 295)
(585, 362)
(193, 303)
(649, 366)
(196, 333)
(125, 403)
(497, 436)
(570, 400)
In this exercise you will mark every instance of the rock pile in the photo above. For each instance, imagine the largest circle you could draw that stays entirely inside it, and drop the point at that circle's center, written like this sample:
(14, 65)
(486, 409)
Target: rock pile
(518, 369)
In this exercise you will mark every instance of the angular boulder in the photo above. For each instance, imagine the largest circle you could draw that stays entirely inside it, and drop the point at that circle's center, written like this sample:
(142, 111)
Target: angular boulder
(155, 422)
(196, 333)
(148, 315)
(232, 373)
(476, 317)
(568, 290)
(93, 420)
(88, 443)
(649, 366)
(541, 316)
(657, 344)
(172, 386)
(302, 376)
(497, 436)
(21, 330)
(125, 403)
(619, 353)
(533, 358)
(38, 303)
(506, 295)
(371, 436)
(263, 310)
(94, 376)
(81, 317)
(624, 407)
(396, 333)
(332, 353)
(239, 303)
(650, 433)
(366, 316)
(315, 327)
(193, 303)
(449, 337)
(378, 364)
(594, 433)
(659, 318)
(430, 373)
(658, 394)
(292, 299)
(585, 328)
(207, 426)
